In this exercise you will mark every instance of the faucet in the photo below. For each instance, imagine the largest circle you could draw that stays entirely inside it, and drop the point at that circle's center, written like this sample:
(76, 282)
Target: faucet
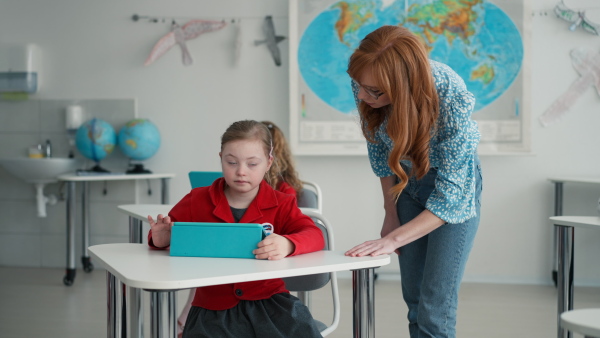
(48, 149)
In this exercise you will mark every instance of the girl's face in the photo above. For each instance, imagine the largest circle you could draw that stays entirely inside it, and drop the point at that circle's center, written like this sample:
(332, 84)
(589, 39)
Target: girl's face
(368, 90)
(244, 165)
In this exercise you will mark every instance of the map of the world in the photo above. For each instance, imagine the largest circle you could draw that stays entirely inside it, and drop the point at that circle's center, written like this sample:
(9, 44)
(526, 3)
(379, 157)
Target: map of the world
(474, 37)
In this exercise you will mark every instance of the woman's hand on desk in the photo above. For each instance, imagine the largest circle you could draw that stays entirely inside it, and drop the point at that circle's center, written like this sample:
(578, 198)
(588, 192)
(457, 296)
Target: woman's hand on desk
(161, 230)
(274, 247)
(376, 247)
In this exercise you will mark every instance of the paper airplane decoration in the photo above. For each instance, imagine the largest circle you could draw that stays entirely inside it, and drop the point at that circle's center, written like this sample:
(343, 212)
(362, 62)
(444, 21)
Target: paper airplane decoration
(179, 35)
(587, 64)
(271, 39)
(576, 18)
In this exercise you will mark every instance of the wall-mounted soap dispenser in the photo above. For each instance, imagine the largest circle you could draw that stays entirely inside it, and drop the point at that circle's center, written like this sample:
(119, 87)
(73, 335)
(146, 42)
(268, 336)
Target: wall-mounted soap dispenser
(19, 68)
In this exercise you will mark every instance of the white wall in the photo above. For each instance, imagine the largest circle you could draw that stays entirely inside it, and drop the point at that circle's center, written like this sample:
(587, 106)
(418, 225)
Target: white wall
(93, 50)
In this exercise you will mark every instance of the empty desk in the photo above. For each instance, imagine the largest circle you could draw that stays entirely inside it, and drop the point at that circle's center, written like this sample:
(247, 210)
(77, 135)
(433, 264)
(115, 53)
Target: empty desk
(582, 321)
(72, 180)
(566, 235)
(558, 206)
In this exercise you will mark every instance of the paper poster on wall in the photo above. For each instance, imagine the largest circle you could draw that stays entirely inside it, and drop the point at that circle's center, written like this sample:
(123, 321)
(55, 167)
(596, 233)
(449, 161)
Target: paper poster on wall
(483, 41)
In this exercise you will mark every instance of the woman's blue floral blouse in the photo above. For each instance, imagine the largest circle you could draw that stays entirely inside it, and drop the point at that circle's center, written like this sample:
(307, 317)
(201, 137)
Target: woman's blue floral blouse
(453, 149)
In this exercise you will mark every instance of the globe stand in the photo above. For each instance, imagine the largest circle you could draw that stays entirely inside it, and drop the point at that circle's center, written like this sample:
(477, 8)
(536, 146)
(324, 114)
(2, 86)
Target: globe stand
(138, 169)
(98, 169)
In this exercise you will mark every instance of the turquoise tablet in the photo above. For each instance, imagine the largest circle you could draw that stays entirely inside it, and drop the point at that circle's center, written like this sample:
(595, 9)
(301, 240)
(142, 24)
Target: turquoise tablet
(227, 240)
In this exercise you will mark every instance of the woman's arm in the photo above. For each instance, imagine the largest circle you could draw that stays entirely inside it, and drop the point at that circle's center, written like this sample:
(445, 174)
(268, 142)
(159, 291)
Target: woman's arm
(418, 227)
(394, 236)
(454, 150)
(390, 221)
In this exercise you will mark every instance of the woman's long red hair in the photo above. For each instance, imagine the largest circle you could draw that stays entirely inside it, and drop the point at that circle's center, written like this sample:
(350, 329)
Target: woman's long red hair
(399, 63)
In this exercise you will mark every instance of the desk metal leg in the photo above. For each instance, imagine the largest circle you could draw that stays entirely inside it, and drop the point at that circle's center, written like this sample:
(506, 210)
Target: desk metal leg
(164, 190)
(70, 271)
(135, 230)
(363, 296)
(565, 275)
(163, 316)
(85, 213)
(135, 295)
(136, 315)
(558, 211)
(115, 306)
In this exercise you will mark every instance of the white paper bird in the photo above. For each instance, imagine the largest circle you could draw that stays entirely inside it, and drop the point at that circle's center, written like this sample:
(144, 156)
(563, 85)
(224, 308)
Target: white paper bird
(179, 35)
(576, 18)
(587, 64)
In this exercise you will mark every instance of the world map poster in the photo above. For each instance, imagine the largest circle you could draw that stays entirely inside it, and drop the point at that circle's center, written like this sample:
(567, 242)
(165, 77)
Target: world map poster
(483, 41)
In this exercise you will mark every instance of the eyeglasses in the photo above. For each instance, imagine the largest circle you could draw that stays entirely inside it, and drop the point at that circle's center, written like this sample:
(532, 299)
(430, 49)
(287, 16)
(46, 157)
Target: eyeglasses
(373, 94)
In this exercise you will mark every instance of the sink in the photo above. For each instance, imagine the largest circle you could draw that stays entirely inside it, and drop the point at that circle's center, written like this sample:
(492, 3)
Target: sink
(40, 170)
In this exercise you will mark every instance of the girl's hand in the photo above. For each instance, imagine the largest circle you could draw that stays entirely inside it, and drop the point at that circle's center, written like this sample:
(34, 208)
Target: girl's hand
(376, 247)
(274, 247)
(161, 230)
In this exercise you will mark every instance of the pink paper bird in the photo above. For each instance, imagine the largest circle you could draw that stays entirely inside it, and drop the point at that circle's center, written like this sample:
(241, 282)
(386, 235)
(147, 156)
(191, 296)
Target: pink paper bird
(179, 35)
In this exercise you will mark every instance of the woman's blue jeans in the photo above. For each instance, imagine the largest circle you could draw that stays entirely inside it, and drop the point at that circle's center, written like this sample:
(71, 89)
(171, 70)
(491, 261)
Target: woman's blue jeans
(432, 266)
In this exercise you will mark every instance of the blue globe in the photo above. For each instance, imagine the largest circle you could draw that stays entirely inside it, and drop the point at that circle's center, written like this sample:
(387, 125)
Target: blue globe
(139, 139)
(95, 139)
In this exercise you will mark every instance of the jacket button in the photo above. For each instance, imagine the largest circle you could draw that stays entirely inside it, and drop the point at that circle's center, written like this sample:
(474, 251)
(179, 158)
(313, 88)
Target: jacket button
(238, 292)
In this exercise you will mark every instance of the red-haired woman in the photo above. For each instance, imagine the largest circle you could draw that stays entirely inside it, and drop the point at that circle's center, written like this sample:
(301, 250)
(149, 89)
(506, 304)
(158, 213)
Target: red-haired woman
(416, 116)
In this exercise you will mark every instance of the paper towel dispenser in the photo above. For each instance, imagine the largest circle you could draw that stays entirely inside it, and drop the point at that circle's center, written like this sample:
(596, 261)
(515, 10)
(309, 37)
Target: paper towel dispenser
(19, 68)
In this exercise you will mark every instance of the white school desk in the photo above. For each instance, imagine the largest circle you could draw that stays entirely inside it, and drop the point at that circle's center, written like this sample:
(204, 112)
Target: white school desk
(72, 180)
(138, 266)
(138, 214)
(558, 208)
(565, 226)
(582, 321)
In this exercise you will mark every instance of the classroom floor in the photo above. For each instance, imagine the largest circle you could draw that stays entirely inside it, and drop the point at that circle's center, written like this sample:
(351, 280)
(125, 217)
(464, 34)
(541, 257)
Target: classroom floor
(35, 303)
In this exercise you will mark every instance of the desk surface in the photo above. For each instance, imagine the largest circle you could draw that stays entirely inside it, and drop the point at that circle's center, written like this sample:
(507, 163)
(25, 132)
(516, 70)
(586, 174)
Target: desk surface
(572, 179)
(113, 177)
(582, 321)
(141, 211)
(139, 266)
(588, 222)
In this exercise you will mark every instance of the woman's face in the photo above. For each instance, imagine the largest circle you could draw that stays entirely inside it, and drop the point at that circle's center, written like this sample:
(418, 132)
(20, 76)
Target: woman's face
(368, 90)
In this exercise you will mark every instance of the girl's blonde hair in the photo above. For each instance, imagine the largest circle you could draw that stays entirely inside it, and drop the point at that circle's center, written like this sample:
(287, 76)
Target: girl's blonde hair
(398, 61)
(283, 169)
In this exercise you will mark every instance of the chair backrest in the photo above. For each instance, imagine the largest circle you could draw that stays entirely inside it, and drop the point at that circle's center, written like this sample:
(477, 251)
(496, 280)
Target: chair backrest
(311, 196)
(203, 178)
(317, 281)
(304, 284)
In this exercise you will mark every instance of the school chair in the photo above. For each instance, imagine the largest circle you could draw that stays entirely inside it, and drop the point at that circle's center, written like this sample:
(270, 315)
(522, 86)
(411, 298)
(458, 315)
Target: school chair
(203, 178)
(302, 285)
(311, 196)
